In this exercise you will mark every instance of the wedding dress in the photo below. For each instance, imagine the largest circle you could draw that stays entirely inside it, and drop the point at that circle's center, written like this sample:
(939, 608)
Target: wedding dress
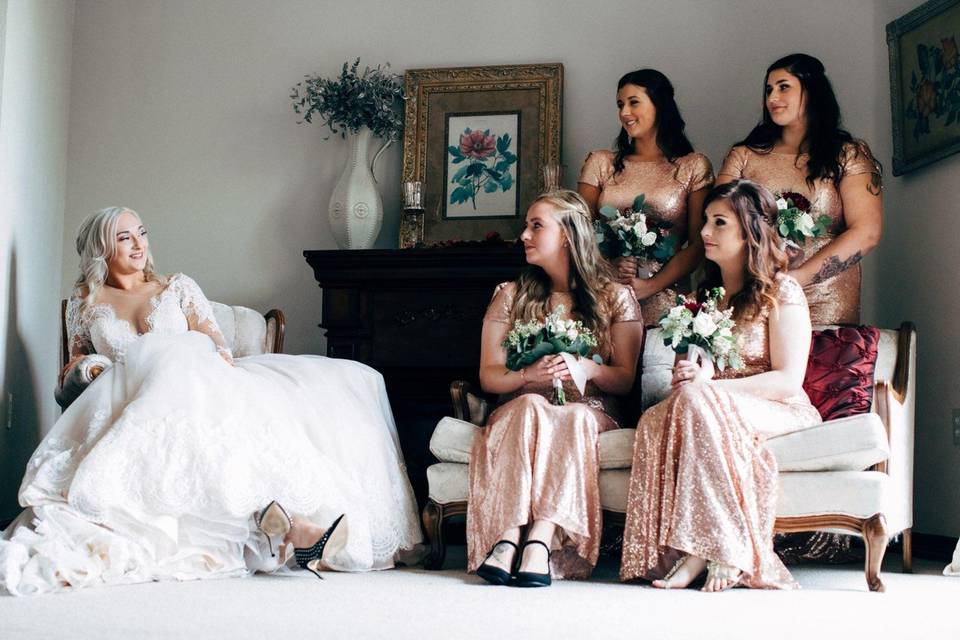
(155, 471)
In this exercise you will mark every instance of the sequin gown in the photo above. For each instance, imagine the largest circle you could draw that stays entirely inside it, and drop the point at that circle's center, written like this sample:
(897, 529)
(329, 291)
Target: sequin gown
(538, 461)
(702, 481)
(666, 186)
(837, 299)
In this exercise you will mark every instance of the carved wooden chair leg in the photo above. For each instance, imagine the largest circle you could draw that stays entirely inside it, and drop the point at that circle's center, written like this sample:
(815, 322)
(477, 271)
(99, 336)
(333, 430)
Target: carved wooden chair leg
(907, 551)
(433, 524)
(875, 538)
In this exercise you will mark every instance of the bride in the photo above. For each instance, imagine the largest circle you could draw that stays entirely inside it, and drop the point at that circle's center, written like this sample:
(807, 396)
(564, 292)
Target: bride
(168, 465)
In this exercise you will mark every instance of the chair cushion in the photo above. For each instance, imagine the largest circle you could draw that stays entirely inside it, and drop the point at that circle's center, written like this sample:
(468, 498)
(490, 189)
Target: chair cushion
(840, 370)
(244, 329)
(657, 369)
(614, 485)
(448, 482)
(452, 439)
(847, 444)
(855, 493)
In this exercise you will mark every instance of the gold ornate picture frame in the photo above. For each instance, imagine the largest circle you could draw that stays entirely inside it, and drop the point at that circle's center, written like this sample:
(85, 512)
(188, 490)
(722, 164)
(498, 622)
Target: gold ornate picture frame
(925, 84)
(477, 138)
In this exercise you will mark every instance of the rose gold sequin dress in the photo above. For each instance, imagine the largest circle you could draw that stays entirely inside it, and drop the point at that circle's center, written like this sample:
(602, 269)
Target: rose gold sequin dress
(666, 186)
(836, 300)
(538, 461)
(702, 481)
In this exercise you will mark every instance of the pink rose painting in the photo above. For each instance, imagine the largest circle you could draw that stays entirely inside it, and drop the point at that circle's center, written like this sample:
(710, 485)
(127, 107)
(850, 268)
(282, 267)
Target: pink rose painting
(481, 165)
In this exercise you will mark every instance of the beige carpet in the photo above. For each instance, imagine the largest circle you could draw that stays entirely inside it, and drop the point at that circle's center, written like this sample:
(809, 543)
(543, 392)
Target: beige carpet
(414, 603)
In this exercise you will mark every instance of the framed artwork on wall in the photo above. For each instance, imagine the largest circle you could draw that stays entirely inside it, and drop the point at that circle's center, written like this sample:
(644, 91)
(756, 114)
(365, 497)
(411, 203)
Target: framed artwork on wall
(925, 84)
(477, 138)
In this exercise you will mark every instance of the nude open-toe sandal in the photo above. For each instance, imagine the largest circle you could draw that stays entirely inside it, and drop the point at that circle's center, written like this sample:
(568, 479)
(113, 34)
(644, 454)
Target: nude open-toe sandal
(717, 571)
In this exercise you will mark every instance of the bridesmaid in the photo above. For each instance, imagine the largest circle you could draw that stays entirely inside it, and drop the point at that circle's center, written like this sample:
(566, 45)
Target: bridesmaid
(703, 488)
(534, 469)
(800, 147)
(655, 158)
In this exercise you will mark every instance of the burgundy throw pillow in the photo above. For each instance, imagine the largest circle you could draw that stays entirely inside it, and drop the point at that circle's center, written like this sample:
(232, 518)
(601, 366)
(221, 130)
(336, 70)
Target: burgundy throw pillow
(839, 377)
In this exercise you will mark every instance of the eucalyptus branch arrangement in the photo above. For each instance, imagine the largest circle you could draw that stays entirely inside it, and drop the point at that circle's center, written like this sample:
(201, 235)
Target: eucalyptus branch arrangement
(353, 100)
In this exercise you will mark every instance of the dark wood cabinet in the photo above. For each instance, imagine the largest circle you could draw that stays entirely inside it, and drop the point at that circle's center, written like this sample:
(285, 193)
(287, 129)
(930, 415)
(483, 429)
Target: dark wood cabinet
(414, 315)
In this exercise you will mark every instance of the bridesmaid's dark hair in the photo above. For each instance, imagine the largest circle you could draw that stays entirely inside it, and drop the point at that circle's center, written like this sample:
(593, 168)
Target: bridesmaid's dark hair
(756, 209)
(671, 139)
(825, 139)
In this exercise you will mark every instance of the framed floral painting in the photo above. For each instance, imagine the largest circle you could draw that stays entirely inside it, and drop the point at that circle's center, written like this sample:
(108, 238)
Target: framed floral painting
(477, 138)
(925, 84)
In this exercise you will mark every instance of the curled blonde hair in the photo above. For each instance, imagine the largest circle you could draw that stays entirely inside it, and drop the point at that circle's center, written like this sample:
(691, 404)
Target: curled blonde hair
(591, 277)
(96, 245)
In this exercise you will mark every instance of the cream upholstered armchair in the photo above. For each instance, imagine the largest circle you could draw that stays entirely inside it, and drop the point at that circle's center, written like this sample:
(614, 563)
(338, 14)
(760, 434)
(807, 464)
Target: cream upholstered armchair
(852, 475)
(246, 332)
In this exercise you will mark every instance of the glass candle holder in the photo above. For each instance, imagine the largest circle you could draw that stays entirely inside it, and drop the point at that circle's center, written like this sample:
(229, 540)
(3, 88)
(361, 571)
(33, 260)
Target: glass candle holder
(551, 177)
(412, 217)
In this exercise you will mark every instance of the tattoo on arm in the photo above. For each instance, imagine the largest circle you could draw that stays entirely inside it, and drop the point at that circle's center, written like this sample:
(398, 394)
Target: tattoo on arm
(875, 186)
(833, 266)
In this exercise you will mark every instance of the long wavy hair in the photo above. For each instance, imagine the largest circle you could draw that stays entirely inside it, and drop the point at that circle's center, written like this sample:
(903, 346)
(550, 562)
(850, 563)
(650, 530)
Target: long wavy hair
(671, 139)
(756, 209)
(591, 277)
(96, 245)
(825, 139)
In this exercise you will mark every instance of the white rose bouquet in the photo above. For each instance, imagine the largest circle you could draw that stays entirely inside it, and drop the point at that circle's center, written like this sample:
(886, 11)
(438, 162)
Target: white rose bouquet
(795, 221)
(633, 233)
(527, 342)
(701, 330)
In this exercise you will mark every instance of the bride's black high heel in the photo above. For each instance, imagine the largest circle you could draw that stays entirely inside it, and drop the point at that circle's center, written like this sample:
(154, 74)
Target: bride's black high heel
(274, 521)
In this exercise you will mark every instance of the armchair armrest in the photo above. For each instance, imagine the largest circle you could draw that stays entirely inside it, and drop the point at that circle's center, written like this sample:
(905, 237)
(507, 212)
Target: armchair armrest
(894, 402)
(79, 378)
(470, 404)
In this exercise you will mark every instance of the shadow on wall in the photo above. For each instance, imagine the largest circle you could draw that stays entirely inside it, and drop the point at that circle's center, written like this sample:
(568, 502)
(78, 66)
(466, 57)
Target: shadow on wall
(21, 407)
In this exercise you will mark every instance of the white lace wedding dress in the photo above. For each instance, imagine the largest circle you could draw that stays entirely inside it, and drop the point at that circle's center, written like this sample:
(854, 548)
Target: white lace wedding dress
(155, 471)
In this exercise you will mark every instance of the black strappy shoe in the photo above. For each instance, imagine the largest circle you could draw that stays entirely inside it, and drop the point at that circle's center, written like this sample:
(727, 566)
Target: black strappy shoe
(274, 521)
(494, 575)
(528, 578)
(333, 539)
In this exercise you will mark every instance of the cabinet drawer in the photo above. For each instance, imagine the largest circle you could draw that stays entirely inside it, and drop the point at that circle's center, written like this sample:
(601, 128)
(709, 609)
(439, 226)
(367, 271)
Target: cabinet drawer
(428, 328)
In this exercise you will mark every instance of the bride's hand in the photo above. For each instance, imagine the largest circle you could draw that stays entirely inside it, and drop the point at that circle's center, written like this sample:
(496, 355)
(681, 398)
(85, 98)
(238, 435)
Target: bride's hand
(226, 355)
(686, 371)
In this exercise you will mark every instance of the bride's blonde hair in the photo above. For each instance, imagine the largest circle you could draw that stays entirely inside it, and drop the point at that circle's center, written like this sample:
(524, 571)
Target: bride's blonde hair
(96, 244)
(591, 277)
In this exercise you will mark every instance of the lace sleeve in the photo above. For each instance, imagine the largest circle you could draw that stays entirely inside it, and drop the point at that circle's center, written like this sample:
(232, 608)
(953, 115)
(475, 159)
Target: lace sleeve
(78, 334)
(199, 312)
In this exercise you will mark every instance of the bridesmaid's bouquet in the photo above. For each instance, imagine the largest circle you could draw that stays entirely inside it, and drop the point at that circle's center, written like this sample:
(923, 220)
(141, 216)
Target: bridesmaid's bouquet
(632, 233)
(795, 222)
(701, 330)
(529, 341)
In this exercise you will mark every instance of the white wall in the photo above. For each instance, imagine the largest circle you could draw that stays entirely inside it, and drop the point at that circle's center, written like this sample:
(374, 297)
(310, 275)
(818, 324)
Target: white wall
(33, 157)
(919, 264)
(180, 110)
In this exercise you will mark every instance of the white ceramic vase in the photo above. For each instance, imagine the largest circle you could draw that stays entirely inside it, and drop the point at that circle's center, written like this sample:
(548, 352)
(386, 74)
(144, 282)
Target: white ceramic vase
(356, 211)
